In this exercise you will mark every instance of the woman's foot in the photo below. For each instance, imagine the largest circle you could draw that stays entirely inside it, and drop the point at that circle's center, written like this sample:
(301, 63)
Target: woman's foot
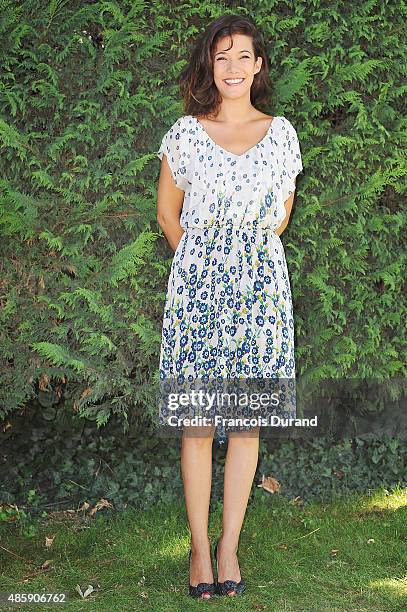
(200, 568)
(228, 564)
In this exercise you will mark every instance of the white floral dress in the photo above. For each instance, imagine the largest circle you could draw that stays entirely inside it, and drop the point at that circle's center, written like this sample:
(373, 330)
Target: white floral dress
(228, 308)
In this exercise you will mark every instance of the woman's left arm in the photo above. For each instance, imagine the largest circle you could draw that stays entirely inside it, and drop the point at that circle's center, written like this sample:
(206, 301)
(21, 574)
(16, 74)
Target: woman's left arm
(288, 207)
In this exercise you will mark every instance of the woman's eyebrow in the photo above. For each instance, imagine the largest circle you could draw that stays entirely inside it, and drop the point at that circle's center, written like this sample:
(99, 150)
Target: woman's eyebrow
(244, 51)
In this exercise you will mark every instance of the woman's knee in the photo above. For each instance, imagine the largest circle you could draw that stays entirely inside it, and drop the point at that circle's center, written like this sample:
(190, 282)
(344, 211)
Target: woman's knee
(245, 437)
(199, 435)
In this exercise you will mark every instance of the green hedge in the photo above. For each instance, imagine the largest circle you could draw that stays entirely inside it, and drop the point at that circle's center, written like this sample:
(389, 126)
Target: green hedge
(58, 463)
(87, 90)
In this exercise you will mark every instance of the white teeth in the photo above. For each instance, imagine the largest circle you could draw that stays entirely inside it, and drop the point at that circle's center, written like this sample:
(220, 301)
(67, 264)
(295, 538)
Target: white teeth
(234, 81)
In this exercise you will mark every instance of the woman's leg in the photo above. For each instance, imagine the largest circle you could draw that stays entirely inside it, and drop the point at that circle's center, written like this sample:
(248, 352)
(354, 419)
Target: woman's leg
(196, 469)
(240, 468)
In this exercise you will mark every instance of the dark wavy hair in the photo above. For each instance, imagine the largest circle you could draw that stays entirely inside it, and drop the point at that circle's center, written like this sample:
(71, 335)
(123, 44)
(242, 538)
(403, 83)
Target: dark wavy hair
(197, 87)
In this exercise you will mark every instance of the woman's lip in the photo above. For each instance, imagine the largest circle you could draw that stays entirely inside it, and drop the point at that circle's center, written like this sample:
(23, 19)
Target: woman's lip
(233, 78)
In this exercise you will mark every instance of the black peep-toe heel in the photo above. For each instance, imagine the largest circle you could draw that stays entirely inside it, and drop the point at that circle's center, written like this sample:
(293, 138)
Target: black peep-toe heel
(228, 586)
(203, 587)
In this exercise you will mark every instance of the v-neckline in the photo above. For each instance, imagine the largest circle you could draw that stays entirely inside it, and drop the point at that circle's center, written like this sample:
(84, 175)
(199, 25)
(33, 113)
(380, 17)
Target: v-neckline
(230, 152)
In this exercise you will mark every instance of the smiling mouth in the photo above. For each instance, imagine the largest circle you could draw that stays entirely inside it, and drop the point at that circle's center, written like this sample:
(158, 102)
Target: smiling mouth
(233, 82)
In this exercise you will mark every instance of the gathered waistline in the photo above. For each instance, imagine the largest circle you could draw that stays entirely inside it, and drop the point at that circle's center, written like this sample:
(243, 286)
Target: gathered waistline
(234, 227)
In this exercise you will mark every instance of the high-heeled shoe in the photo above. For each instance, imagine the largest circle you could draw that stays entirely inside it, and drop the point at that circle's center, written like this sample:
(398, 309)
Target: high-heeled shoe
(228, 586)
(202, 588)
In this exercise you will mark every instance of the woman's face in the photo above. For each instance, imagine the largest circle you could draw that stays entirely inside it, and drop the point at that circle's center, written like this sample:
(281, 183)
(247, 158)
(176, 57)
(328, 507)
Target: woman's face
(236, 63)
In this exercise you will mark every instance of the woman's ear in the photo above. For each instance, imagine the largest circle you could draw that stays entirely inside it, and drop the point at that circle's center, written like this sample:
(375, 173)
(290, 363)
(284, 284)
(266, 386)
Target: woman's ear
(257, 65)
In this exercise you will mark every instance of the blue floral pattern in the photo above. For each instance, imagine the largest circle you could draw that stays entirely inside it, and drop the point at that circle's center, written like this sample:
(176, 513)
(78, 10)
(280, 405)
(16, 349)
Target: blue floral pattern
(228, 308)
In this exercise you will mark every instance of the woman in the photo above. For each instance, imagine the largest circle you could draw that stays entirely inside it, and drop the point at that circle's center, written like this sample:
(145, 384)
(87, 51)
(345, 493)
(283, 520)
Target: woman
(225, 194)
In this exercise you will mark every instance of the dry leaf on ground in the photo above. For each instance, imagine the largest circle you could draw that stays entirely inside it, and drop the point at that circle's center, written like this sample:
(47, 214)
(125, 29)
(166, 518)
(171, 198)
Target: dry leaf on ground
(269, 484)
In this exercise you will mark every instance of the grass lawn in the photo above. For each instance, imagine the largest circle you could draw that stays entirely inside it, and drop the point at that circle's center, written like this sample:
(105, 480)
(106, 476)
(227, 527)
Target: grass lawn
(347, 555)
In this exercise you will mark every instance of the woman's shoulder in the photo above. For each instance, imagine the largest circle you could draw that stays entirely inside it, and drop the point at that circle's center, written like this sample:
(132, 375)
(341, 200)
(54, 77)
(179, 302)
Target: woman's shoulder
(182, 126)
(286, 126)
(183, 121)
(187, 122)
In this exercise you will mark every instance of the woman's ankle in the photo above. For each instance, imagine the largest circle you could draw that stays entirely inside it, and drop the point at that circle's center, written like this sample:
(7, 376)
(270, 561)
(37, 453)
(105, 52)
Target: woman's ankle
(228, 543)
(199, 544)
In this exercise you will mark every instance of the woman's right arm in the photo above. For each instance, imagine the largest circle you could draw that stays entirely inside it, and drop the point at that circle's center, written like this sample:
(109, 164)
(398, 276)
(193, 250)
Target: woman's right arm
(169, 205)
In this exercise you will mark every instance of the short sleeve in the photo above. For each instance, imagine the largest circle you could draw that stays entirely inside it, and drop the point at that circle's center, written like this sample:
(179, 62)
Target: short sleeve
(175, 145)
(291, 158)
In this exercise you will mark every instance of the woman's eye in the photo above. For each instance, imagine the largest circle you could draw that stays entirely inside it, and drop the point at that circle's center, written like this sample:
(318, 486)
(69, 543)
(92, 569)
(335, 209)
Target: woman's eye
(243, 57)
